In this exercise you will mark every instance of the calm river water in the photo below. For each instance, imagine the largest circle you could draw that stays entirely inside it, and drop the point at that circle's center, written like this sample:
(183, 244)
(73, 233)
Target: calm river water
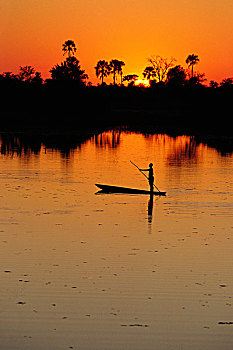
(88, 271)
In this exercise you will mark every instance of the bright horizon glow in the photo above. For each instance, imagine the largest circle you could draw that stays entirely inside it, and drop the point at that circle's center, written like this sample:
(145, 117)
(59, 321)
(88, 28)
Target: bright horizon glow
(32, 33)
(143, 82)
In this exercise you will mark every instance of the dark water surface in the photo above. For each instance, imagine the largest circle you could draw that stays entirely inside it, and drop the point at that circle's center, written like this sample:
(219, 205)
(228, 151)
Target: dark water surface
(109, 272)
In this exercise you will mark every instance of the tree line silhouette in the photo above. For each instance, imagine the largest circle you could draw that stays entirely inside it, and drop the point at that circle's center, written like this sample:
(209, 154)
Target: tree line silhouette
(67, 101)
(160, 71)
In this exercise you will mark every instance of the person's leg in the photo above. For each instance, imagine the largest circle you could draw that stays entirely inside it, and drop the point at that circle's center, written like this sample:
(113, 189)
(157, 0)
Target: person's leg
(151, 187)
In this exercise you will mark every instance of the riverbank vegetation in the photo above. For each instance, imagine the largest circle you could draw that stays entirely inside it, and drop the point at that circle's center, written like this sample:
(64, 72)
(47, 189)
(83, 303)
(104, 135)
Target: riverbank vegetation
(174, 99)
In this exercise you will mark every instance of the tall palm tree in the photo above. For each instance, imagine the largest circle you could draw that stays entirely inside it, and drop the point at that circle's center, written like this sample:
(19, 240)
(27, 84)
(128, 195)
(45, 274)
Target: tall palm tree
(102, 70)
(191, 61)
(120, 70)
(116, 68)
(69, 47)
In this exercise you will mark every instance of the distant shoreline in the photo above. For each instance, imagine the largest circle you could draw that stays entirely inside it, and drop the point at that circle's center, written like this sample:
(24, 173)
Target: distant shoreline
(193, 111)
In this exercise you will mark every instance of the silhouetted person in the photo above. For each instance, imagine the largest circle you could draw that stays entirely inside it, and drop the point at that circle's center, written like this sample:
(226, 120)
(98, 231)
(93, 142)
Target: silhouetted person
(151, 176)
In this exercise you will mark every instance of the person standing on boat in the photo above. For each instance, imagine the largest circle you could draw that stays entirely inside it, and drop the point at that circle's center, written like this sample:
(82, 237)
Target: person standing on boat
(151, 176)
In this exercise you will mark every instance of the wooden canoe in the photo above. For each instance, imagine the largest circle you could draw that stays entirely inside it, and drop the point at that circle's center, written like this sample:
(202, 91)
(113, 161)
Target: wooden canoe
(118, 189)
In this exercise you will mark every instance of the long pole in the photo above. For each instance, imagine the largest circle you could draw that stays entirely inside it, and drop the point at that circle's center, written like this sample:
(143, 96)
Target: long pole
(143, 174)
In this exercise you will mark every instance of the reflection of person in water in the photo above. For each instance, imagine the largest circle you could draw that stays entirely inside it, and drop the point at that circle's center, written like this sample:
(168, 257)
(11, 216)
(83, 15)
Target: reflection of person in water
(151, 176)
(150, 208)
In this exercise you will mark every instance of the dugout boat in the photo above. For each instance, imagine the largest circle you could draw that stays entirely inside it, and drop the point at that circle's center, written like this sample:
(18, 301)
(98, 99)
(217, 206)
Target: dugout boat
(118, 189)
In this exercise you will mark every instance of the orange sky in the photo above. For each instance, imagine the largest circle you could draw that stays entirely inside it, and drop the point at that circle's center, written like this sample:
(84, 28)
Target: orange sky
(32, 33)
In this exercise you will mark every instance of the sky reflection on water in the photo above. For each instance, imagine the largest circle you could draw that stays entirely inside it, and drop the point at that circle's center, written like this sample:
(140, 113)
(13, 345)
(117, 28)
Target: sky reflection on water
(113, 271)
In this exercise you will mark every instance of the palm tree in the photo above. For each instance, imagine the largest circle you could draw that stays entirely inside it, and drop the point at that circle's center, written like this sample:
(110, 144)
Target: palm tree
(191, 61)
(69, 47)
(116, 68)
(102, 70)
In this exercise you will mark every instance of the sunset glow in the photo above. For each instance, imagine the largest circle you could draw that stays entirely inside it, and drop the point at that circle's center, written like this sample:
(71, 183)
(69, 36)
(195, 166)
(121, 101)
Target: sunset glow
(33, 33)
(116, 158)
(142, 82)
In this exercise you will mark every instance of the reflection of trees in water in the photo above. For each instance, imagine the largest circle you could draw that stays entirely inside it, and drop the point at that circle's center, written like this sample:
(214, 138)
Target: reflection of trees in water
(185, 151)
(64, 144)
(181, 148)
(19, 145)
(109, 139)
(178, 149)
(223, 144)
(24, 145)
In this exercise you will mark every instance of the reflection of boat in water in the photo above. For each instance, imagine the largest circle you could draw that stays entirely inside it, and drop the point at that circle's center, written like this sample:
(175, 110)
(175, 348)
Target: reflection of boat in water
(118, 189)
